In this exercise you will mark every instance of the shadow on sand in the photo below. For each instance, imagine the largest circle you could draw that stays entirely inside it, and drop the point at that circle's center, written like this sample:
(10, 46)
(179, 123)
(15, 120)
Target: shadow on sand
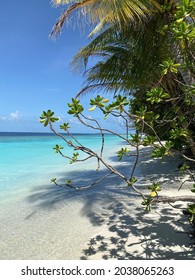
(128, 232)
(161, 235)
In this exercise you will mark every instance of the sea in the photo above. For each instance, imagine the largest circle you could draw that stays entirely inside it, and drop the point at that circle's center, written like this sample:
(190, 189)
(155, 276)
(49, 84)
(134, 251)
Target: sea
(38, 219)
(26, 159)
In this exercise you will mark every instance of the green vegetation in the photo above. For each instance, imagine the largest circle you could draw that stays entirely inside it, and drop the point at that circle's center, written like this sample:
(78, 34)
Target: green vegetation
(146, 54)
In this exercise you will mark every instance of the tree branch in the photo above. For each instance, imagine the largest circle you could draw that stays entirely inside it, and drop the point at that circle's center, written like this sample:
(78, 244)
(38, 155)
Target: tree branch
(169, 199)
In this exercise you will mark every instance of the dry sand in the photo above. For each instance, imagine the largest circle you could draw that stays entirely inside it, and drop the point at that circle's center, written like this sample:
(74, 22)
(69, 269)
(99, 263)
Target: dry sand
(105, 222)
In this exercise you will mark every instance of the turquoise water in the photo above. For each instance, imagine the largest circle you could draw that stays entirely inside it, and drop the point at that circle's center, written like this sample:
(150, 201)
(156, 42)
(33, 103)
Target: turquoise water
(26, 159)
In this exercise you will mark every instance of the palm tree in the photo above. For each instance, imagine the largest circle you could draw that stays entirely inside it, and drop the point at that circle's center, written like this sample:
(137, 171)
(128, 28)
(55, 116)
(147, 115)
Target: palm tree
(127, 60)
(102, 13)
(129, 47)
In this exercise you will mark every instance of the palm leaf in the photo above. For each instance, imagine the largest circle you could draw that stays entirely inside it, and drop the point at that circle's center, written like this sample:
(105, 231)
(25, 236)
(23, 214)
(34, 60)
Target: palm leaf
(96, 11)
(126, 60)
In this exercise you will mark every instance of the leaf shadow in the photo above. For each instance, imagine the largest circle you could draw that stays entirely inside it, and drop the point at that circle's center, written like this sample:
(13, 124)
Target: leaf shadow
(129, 233)
(142, 236)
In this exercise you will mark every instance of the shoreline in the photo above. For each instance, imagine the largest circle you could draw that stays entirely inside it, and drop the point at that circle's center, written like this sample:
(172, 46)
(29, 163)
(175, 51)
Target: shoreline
(104, 222)
(110, 226)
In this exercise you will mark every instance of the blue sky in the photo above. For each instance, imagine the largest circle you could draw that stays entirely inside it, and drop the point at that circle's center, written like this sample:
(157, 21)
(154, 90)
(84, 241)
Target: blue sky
(34, 70)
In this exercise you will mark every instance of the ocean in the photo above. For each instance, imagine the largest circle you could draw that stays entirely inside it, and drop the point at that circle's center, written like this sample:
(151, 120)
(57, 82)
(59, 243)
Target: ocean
(38, 219)
(28, 158)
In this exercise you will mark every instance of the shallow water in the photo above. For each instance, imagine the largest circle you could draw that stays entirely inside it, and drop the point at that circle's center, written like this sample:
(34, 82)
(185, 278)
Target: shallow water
(27, 158)
(39, 220)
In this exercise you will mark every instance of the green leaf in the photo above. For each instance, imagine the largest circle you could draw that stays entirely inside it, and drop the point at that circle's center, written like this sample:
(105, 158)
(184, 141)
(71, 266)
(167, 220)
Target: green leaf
(75, 107)
(68, 182)
(135, 138)
(53, 180)
(132, 181)
(65, 126)
(156, 95)
(178, 132)
(46, 123)
(118, 105)
(57, 148)
(149, 140)
(193, 190)
(98, 101)
(154, 188)
(169, 66)
(74, 157)
(191, 211)
(123, 152)
(147, 202)
(160, 152)
(48, 117)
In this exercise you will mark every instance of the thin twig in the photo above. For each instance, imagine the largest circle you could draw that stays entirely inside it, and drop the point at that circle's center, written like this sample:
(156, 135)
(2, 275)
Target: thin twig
(183, 184)
(102, 135)
(168, 199)
(70, 186)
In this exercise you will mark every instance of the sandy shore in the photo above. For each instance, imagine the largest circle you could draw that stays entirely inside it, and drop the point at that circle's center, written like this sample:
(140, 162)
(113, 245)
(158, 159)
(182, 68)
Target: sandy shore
(105, 222)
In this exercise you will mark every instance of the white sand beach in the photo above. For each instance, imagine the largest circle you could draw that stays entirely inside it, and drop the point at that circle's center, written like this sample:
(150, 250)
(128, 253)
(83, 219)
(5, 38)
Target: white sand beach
(104, 222)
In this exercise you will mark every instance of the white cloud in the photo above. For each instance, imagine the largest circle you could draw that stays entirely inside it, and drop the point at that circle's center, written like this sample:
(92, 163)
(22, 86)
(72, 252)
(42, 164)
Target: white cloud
(14, 116)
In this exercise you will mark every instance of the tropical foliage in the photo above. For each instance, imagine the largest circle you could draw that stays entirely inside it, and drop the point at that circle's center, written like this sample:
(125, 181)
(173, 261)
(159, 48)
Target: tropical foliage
(153, 62)
(145, 54)
(101, 13)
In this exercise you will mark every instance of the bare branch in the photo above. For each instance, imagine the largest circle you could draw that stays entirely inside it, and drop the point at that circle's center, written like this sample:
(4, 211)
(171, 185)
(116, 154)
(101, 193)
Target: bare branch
(70, 186)
(183, 184)
(94, 183)
(102, 136)
(169, 199)
(190, 159)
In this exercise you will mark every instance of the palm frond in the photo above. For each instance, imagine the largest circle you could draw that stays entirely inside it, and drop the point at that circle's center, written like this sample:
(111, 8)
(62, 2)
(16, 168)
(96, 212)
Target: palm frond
(58, 26)
(102, 87)
(126, 60)
(99, 11)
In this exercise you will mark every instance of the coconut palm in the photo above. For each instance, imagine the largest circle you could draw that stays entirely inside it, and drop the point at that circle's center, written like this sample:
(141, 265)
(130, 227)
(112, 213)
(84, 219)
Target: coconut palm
(127, 60)
(129, 49)
(102, 13)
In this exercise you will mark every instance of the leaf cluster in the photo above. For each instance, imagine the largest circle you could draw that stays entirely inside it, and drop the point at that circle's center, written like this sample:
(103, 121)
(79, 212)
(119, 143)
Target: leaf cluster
(65, 126)
(118, 105)
(48, 117)
(156, 95)
(169, 65)
(98, 101)
(75, 107)
(123, 152)
(139, 60)
(74, 157)
(191, 211)
(162, 151)
(57, 148)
